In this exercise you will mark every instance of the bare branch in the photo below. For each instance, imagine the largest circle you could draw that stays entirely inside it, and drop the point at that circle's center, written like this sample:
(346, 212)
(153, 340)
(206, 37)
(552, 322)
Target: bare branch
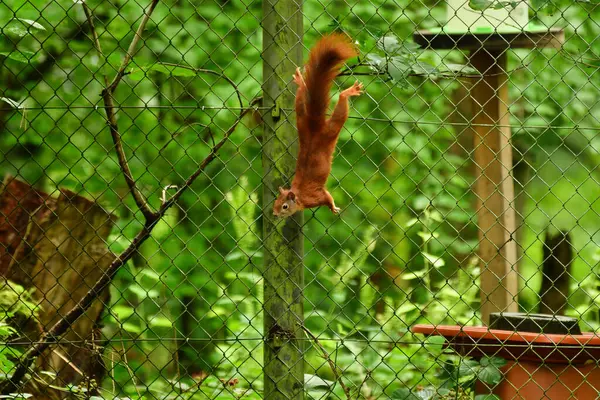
(111, 118)
(132, 47)
(139, 199)
(95, 38)
(210, 72)
(334, 369)
(163, 197)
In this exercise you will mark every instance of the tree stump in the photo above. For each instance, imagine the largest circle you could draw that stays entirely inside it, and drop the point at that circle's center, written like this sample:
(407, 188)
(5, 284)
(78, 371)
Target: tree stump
(56, 246)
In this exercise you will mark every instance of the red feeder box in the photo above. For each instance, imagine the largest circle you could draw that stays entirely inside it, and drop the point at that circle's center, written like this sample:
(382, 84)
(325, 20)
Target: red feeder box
(547, 356)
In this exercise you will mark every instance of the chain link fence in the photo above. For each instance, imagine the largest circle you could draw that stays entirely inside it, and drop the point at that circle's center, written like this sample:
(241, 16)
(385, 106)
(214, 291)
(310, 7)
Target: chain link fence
(142, 145)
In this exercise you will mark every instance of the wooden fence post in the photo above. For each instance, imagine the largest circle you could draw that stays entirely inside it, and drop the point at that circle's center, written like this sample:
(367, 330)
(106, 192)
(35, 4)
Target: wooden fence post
(283, 241)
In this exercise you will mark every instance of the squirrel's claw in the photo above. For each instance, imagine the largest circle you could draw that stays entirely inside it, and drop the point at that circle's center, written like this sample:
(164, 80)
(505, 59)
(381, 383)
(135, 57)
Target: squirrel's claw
(354, 90)
(336, 210)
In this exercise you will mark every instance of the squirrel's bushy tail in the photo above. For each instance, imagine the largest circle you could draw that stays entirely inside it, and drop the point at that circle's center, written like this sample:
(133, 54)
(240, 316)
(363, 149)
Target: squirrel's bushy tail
(324, 62)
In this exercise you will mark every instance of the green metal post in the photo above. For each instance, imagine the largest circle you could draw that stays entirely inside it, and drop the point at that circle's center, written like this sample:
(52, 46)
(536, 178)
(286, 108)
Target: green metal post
(283, 240)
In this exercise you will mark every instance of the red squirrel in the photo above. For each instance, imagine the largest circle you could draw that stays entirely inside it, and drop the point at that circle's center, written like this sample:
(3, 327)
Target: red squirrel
(318, 135)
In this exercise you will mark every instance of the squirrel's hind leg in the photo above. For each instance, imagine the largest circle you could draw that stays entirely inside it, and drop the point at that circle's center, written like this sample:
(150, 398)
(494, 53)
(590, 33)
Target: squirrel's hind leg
(329, 202)
(340, 112)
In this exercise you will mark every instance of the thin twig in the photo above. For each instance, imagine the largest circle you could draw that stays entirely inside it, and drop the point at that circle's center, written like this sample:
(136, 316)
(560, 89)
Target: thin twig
(367, 376)
(67, 361)
(183, 128)
(111, 119)
(210, 72)
(95, 38)
(332, 365)
(351, 72)
(580, 60)
(129, 371)
(200, 169)
(139, 199)
(112, 371)
(163, 197)
(132, 47)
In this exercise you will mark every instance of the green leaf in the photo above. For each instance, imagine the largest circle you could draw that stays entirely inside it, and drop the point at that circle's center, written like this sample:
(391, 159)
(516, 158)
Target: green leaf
(495, 361)
(399, 68)
(468, 368)
(436, 261)
(142, 293)
(22, 56)
(427, 393)
(236, 255)
(538, 4)
(131, 327)
(426, 236)
(420, 202)
(436, 216)
(31, 23)
(19, 31)
(458, 68)
(315, 382)
(504, 4)
(7, 355)
(22, 27)
(480, 5)
(122, 312)
(139, 291)
(424, 68)
(6, 330)
(150, 274)
(376, 62)
(411, 222)
(490, 375)
(413, 275)
(435, 342)
(160, 322)
(404, 394)
(406, 308)
(389, 44)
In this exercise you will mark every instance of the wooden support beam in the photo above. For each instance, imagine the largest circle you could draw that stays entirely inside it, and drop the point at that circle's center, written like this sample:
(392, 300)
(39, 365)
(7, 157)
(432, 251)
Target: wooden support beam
(490, 126)
(494, 186)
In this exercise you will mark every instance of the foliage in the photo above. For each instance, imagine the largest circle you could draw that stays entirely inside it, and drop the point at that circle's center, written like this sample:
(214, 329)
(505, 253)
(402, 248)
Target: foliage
(459, 376)
(403, 250)
(16, 303)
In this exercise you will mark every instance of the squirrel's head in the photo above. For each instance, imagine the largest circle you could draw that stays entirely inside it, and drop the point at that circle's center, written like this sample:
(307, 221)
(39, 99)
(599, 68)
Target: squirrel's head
(285, 204)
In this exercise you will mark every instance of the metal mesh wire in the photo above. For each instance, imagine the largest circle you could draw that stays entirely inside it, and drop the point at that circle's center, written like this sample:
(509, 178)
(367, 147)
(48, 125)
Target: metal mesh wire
(142, 145)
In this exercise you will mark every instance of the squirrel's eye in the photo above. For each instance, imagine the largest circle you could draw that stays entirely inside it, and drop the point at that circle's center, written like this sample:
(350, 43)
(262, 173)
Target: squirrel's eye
(285, 207)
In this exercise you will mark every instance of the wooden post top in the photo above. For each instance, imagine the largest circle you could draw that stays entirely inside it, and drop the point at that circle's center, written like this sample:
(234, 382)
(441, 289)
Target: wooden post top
(535, 37)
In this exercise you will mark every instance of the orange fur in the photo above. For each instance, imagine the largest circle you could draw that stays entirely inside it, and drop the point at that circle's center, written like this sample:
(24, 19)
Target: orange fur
(317, 135)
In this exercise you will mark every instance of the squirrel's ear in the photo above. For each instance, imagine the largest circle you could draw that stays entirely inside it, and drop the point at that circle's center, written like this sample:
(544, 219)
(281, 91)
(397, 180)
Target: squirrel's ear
(291, 195)
(280, 190)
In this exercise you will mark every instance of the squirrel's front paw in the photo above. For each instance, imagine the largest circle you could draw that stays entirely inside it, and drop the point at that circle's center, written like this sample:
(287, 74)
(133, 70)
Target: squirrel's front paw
(298, 78)
(354, 90)
(336, 210)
